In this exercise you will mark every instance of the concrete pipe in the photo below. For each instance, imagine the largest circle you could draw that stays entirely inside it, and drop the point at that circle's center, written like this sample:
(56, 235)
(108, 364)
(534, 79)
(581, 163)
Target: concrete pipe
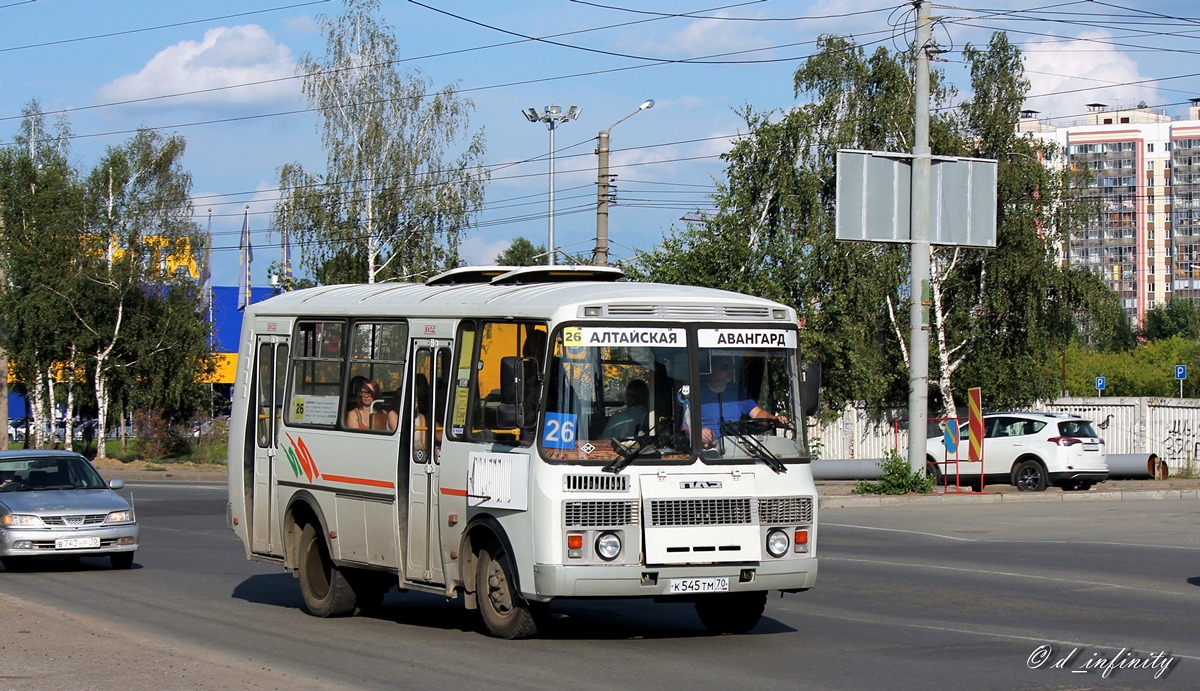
(1136, 466)
(847, 469)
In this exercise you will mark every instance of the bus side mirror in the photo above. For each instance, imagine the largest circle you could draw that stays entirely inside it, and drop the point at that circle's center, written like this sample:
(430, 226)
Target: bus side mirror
(810, 387)
(516, 408)
(512, 381)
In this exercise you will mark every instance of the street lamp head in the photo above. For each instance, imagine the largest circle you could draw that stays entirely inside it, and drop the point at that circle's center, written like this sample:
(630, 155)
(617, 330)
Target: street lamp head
(573, 113)
(530, 114)
(647, 104)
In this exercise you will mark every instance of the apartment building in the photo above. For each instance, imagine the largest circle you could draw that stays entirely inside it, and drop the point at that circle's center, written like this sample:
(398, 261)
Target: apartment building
(1145, 179)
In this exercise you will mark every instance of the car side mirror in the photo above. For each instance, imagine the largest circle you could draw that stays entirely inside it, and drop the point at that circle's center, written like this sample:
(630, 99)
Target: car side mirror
(116, 483)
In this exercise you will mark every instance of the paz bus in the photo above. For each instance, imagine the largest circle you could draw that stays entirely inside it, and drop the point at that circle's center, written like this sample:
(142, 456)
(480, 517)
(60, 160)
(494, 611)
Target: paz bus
(516, 436)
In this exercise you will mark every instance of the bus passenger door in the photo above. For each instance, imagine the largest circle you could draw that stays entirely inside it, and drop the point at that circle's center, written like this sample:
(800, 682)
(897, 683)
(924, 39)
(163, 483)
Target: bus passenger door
(426, 408)
(270, 368)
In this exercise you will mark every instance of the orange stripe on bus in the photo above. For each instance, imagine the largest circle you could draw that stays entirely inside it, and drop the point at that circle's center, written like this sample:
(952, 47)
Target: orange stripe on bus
(359, 481)
(454, 492)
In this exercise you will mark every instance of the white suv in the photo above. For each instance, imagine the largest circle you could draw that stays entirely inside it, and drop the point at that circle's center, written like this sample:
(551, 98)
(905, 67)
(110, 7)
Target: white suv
(1029, 450)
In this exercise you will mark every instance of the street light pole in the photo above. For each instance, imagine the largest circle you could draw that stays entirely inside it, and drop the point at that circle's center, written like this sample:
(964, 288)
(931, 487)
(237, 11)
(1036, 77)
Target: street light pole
(552, 116)
(600, 256)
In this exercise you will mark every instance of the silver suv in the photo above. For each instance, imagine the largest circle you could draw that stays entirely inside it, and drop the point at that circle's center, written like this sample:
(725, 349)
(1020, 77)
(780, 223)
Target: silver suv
(1029, 450)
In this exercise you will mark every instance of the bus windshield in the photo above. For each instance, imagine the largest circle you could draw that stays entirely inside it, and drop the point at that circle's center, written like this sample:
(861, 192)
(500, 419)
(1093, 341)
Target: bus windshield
(622, 395)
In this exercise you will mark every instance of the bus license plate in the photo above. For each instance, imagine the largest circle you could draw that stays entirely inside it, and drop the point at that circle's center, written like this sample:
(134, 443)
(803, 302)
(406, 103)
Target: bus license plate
(698, 585)
(77, 543)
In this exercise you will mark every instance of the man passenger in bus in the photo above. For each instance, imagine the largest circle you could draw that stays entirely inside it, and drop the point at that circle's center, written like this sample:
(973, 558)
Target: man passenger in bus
(625, 423)
(718, 402)
(365, 412)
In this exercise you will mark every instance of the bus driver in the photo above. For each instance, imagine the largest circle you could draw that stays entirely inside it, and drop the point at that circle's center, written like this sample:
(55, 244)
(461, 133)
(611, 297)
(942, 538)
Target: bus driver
(718, 403)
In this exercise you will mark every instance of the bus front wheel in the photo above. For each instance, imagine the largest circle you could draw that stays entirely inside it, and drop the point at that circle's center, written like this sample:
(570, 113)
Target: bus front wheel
(732, 612)
(326, 591)
(504, 612)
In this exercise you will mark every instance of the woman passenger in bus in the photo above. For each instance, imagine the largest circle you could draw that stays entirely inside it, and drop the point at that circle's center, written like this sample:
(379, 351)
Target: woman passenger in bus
(365, 413)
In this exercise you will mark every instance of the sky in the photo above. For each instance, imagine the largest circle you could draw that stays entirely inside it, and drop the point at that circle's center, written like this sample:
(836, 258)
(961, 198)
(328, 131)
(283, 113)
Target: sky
(222, 74)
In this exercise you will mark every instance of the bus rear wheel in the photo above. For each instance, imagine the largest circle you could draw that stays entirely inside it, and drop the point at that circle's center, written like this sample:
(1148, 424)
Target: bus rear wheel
(326, 591)
(731, 612)
(504, 612)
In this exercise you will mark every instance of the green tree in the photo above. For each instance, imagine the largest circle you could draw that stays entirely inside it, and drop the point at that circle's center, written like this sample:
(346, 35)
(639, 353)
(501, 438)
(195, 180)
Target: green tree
(1179, 317)
(1012, 310)
(395, 196)
(773, 232)
(522, 253)
(42, 210)
(136, 312)
(998, 315)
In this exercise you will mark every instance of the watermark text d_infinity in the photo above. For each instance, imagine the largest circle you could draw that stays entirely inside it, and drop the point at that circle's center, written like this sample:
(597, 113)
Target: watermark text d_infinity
(1077, 662)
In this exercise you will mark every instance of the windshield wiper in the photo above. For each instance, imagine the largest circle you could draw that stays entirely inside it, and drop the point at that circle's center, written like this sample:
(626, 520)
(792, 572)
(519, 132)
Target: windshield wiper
(752, 445)
(628, 453)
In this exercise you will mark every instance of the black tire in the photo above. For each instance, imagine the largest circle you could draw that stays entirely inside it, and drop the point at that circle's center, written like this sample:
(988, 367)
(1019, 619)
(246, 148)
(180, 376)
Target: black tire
(369, 588)
(505, 613)
(326, 591)
(1029, 476)
(121, 560)
(933, 471)
(731, 612)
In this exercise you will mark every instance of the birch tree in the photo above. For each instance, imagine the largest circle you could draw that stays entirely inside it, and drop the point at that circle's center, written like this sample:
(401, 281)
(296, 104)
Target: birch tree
(42, 209)
(140, 213)
(402, 179)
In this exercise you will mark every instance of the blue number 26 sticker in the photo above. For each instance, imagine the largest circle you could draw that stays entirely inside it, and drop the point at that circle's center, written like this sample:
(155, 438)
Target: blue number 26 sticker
(559, 431)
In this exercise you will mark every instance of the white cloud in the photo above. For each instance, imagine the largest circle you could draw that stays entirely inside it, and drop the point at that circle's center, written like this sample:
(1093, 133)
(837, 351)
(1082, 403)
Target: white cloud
(476, 250)
(226, 56)
(1086, 62)
(702, 37)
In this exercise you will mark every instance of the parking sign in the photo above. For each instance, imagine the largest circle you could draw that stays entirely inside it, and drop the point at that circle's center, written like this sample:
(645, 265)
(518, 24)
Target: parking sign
(1100, 383)
(1181, 371)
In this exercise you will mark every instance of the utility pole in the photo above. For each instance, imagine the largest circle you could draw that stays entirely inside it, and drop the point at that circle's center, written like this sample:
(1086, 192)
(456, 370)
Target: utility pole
(603, 199)
(918, 378)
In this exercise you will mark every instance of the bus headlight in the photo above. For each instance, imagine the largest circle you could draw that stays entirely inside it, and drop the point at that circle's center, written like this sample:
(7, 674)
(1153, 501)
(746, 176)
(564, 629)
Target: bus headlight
(608, 546)
(778, 542)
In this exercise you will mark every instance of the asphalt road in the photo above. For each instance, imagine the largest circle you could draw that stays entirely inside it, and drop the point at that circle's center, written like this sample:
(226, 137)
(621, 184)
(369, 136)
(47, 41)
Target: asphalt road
(1095, 594)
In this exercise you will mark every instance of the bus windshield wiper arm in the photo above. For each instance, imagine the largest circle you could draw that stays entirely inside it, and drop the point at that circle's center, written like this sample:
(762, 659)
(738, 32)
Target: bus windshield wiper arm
(627, 454)
(753, 446)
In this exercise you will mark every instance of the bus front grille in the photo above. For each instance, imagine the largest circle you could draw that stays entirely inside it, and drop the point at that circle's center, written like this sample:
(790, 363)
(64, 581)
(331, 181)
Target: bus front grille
(785, 510)
(683, 512)
(596, 483)
(599, 514)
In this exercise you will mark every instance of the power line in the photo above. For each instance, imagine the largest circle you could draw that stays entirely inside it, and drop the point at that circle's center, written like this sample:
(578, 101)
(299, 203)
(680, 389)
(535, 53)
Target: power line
(155, 28)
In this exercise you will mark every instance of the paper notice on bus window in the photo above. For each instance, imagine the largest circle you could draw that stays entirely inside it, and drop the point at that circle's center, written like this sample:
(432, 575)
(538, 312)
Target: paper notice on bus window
(609, 336)
(746, 338)
(315, 410)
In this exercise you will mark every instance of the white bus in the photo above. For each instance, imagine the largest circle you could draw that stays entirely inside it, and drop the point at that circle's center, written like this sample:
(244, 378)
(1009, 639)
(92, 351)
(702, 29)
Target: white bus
(517, 436)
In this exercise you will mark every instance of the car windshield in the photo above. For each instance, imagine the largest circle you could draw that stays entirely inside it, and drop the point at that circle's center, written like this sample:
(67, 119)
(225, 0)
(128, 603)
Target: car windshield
(48, 472)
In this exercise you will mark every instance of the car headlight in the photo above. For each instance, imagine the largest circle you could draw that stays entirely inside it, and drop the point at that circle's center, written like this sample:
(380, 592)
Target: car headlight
(20, 520)
(119, 516)
(778, 542)
(608, 546)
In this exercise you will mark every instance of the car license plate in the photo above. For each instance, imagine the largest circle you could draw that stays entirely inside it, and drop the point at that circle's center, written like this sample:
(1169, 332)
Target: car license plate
(77, 543)
(1091, 447)
(698, 585)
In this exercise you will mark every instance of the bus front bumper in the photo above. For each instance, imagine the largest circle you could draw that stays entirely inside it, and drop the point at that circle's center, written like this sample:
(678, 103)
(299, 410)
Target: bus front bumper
(556, 580)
